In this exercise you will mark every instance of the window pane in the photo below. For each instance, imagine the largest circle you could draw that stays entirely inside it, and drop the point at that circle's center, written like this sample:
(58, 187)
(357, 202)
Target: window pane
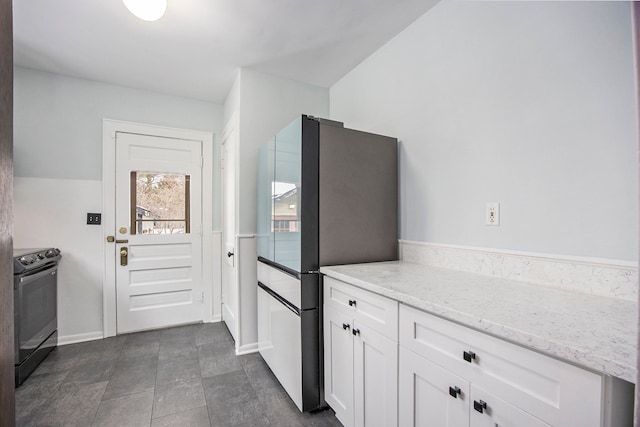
(161, 203)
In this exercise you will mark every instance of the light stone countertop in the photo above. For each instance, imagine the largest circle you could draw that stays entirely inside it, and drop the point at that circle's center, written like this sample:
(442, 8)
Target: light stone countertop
(595, 332)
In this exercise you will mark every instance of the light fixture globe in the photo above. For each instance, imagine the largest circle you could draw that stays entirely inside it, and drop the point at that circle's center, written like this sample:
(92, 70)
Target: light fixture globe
(147, 10)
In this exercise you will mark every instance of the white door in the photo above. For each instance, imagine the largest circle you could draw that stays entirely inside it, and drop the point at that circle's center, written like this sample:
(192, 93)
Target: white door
(229, 279)
(429, 395)
(375, 378)
(158, 253)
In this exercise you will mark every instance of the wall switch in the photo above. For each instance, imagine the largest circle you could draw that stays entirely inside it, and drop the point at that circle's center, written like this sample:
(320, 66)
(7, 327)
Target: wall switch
(493, 214)
(94, 219)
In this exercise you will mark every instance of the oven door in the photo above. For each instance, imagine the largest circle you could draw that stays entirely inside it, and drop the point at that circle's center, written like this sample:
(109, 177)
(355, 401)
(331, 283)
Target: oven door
(35, 309)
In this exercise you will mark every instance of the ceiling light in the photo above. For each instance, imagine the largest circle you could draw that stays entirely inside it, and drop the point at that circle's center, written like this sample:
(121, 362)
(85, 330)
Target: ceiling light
(147, 10)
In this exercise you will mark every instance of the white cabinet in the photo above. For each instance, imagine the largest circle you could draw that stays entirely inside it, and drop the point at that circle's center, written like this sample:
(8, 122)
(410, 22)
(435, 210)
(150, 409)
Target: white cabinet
(338, 364)
(429, 395)
(375, 378)
(360, 356)
(388, 364)
(432, 396)
(509, 385)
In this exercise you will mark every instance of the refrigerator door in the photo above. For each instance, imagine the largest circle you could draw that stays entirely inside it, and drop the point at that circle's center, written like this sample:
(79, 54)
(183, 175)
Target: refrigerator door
(286, 194)
(288, 336)
(288, 197)
(279, 343)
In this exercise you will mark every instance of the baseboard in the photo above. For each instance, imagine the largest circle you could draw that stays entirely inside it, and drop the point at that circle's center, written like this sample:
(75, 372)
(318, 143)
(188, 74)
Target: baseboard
(596, 276)
(215, 319)
(72, 339)
(247, 349)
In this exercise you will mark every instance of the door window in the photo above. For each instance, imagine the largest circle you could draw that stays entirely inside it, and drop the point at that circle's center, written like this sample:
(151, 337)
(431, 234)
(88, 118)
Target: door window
(160, 203)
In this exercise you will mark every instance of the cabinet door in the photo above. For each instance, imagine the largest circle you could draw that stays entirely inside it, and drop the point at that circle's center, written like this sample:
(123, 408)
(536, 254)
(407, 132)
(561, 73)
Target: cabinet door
(556, 392)
(429, 395)
(375, 364)
(338, 364)
(490, 411)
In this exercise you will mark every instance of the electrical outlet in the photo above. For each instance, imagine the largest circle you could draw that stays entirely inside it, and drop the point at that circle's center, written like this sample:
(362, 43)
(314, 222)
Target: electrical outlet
(493, 214)
(94, 219)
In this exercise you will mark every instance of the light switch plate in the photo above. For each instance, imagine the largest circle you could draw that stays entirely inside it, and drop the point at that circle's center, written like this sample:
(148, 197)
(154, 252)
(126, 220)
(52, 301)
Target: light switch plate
(94, 219)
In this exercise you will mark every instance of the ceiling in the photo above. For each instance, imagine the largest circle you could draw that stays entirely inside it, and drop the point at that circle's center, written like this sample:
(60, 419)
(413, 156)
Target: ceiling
(196, 49)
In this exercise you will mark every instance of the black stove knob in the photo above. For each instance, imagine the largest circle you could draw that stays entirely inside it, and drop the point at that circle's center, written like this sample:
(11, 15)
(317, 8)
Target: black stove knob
(51, 253)
(40, 256)
(26, 260)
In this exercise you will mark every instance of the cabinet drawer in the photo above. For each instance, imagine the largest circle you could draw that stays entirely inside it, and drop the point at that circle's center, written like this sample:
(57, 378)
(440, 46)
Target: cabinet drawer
(375, 311)
(558, 393)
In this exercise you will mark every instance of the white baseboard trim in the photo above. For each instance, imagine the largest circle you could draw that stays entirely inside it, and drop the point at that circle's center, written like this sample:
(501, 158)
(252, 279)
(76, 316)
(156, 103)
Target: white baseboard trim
(596, 276)
(72, 339)
(247, 349)
(215, 319)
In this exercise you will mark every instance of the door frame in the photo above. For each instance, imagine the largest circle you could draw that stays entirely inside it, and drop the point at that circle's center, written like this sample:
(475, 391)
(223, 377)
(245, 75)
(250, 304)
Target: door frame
(109, 130)
(230, 133)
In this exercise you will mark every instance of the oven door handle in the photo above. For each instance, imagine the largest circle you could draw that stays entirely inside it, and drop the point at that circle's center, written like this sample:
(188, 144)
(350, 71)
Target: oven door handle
(31, 277)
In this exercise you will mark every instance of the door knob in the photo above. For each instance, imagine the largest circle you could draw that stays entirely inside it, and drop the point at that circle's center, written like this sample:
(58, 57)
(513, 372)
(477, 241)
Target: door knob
(229, 254)
(124, 255)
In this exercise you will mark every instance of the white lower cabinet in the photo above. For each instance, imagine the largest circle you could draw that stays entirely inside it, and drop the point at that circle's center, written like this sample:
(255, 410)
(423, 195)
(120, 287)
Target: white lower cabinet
(429, 395)
(338, 365)
(375, 378)
(508, 385)
(360, 359)
(432, 396)
(393, 365)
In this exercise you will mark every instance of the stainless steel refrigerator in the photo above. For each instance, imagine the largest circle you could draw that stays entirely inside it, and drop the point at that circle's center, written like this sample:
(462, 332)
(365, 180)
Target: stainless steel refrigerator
(327, 195)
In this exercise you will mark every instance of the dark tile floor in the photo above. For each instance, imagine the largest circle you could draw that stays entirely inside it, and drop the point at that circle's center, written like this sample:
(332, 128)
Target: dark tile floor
(183, 376)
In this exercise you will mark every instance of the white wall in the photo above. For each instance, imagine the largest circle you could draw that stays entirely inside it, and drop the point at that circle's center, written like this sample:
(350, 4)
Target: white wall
(267, 104)
(530, 104)
(45, 216)
(58, 121)
(232, 101)
(58, 158)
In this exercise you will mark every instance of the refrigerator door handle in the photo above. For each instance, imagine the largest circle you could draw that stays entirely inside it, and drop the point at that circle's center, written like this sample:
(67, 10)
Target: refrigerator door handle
(279, 298)
(279, 267)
